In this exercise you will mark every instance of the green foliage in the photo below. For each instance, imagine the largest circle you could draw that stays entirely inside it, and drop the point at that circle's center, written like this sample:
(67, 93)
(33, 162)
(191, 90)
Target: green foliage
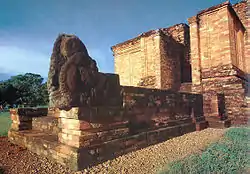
(5, 123)
(1, 171)
(226, 156)
(8, 93)
(29, 89)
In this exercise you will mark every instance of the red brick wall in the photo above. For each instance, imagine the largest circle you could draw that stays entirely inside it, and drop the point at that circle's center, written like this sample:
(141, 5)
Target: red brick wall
(247, 45)
(195, 50)
(237, 39)
(139, 59)
(175, 59)
(214, 39)
(155, 59)
(170, 63)
(181, 36)
(213, 54)
(242, 11)
(162, 105)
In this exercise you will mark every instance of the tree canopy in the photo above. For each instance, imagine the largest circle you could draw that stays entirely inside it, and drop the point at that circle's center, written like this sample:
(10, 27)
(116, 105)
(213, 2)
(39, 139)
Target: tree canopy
(27, 89)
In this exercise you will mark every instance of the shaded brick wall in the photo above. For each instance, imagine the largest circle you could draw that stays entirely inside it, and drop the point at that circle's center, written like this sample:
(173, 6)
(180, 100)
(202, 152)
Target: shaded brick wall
(170, 63)
(247, 45)
(175, 59)
(237, 39)
(233, 89)
(241, 10)
(180, 34)
(155, 106)
(195, 51)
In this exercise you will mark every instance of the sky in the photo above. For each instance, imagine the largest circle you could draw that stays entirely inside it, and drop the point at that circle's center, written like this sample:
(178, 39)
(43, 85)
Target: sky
(28, 28)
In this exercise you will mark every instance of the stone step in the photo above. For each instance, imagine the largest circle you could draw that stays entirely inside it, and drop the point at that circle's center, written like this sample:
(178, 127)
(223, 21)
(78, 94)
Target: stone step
(43, 144)
(200, 125)
(79, 158)
(186, 87)
(46, 124)
(215, 122)
(89, 137)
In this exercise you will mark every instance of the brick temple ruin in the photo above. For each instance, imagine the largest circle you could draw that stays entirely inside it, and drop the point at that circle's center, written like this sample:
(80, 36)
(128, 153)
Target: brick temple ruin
(211, 56)
(168, 82)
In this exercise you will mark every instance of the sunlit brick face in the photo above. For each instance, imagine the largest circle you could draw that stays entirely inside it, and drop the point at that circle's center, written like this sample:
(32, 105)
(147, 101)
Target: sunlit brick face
(155, 59)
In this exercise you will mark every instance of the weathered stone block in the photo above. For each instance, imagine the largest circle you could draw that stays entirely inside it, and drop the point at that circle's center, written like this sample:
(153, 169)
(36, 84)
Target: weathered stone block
(19, 118)
(30, 112)
(21, 126)
(85, 138)
(75, 81)
(95, 114)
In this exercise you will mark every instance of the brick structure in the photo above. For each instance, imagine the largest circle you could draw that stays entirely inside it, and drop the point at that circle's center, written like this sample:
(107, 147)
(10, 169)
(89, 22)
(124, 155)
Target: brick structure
(242, 10)
(155, 59)
(92, 118)
(247, 45)
(215, 45)
(219, 63)
(208, 60)
(85, 136)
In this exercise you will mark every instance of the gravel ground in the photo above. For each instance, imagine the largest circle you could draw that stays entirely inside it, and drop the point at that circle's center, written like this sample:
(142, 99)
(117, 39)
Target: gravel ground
(16, 160)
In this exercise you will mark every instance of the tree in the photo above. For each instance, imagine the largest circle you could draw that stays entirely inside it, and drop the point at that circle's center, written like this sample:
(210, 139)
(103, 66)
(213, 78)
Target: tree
(29, 87)
(8, 94)
(44, 95)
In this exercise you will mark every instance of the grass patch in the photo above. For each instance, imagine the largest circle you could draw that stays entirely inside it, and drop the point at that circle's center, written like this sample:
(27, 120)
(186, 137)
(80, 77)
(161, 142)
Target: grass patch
(229, 155)
(5, 123)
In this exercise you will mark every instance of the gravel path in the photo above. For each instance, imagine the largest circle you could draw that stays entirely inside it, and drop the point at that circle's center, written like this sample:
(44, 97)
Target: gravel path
(150, 160)
(16, 160)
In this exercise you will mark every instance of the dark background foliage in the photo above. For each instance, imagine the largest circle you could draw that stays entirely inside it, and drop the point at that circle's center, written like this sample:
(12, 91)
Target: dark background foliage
(27, 89)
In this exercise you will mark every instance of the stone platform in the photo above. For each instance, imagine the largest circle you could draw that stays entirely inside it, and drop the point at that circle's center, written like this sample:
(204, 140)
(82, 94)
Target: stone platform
(80, 158)
(84, 136)
(64, 137)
